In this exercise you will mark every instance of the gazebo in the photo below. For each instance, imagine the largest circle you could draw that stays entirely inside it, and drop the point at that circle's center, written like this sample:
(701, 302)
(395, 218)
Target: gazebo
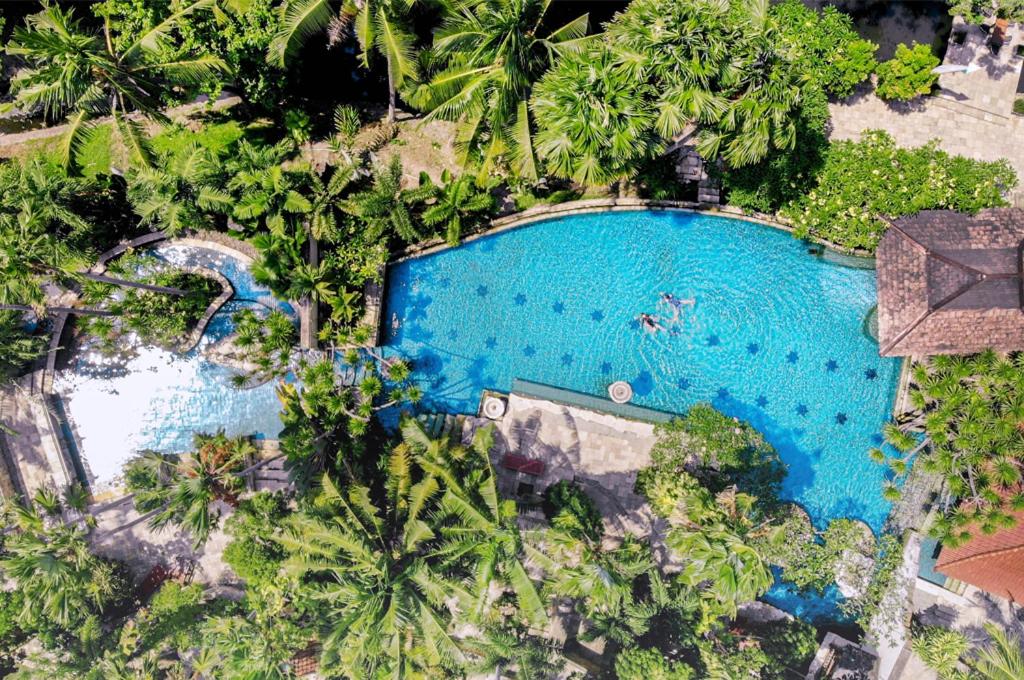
(950, 283)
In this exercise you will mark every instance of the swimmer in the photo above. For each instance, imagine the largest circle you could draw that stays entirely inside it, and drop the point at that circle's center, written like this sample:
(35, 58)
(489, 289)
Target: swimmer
(650, 323)
(676, 304)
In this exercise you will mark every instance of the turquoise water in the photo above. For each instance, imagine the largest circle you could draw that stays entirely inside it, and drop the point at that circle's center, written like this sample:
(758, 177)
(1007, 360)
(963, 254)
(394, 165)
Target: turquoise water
(155, 399)
(775, 336)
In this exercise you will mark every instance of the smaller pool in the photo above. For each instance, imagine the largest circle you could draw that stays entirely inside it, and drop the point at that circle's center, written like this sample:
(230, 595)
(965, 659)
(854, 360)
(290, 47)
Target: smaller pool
(156, 399)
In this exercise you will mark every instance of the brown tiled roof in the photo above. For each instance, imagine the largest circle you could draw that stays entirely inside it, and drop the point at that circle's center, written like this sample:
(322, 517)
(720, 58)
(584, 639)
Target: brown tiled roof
(950, 283)
(992, 562)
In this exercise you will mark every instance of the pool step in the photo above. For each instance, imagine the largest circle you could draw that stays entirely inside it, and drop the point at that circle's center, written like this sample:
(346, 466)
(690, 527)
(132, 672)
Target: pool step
(438, 425)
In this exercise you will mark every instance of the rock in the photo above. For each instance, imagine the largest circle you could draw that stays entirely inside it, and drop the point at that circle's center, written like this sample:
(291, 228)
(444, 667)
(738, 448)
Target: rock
(853, 573)
(226, 353)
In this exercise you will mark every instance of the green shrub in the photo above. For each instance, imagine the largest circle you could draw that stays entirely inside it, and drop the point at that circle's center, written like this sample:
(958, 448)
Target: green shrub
(252, 554)
(940, 649)
(826, 45)
(790, 644)
(908, 74)
(862, 181)
(1018, 106)
(11, 634)
(567, 497)
(648, 664)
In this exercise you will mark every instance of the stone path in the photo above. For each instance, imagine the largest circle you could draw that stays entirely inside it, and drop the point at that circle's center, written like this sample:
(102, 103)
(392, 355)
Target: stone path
(600, 452)
(34, 449)
(970, 116)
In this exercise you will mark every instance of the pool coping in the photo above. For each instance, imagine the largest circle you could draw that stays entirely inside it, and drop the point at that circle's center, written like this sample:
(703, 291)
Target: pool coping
(599, 205)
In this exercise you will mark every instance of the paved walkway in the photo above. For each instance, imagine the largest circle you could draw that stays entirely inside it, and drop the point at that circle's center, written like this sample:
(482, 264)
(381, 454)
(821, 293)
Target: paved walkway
(601, 452)
(34, 447)
(971, 116)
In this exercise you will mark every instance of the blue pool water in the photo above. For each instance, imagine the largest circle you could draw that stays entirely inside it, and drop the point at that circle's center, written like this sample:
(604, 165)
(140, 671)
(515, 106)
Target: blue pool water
(157, 399)
(775, 336)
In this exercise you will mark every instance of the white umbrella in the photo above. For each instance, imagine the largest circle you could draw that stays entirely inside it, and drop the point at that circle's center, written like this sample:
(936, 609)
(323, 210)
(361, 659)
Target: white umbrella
(954, 68)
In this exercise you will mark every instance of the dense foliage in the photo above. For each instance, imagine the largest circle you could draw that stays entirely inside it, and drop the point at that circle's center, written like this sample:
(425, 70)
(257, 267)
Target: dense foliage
(908, 74)
(965, 426)
(855, 188)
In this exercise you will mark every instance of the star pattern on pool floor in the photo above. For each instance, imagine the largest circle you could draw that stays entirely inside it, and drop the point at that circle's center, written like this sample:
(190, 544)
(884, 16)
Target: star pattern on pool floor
(870, 374)
(723, 393)
(841, 418)
(482, 291)
(714, 341)
(762, 401)
(597, 315)
(453, 334)
(753, 348)
(566, 359)
(558, 307)
(529, 350)
(792, 357)
(683, 384)
(606, 367)
(520, 299)
(491, 342)
(801, 409)
(831, 365)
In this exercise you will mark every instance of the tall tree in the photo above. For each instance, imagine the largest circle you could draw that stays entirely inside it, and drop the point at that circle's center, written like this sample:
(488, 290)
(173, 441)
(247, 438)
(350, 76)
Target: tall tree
(76, 70)
(381, 26)
(490, 53)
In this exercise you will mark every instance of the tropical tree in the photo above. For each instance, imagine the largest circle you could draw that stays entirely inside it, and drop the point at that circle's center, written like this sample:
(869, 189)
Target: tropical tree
(489, 53)
(457, 201)
(373, 568)
(475, 521)
(60, 580)
(381, 26)
(496, 649)
(185, 490)
(267, 188)
(965, 426)
(595, 123)
(1002, 659)
(75, 70)
(386, 207)
(179, 191)
(17, 346)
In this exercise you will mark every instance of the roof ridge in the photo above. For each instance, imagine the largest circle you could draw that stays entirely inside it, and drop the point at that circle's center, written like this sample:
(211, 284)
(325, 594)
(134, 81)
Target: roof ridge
(988, 553)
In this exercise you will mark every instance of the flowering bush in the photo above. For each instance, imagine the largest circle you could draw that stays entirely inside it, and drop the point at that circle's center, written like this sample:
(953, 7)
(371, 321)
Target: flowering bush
(862, 181)
(908, 74)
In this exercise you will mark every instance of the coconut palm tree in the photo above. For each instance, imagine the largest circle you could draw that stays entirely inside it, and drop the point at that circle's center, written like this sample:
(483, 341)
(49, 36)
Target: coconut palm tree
(386, 207)
(179, 191)
(381, 26)
(497, 649)
(490, 53)
(373, 569)
(267, 188)
(75, 70)
(475, 521)
(18, 348)
(189, 489)
(1003, 659)
(457, 201)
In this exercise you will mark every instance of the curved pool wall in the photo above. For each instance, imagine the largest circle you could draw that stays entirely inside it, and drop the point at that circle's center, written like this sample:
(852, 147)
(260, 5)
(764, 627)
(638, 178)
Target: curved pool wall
(157, 399)
(775, 337)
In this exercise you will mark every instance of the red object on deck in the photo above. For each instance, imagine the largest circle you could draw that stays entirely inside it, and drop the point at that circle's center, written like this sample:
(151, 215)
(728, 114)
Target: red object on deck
(528, 466)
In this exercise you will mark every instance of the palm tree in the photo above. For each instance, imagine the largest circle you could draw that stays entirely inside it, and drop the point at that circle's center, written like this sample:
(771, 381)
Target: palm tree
(189, 489)
(61, 580)
(476, 521)
(267, 188)
(373, 568)
(380, 25)
(179, 191)
(75, 70)
(385, 206)
(457, 200)
(490, 54)
(17, 346)
(1003, 659)
(325, 199)
(595, 123)
(496, 649)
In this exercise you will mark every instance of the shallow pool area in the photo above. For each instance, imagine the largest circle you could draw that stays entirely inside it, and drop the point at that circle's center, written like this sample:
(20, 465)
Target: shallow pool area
(156, 399)
(775, 336)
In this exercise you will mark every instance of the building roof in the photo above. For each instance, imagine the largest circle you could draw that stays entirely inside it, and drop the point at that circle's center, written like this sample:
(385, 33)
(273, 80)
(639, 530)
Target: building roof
(950, 283)
(992, 562)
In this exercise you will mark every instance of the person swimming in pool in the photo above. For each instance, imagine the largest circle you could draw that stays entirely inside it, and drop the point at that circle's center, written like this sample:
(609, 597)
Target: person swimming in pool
(676, 304)
(651, 323)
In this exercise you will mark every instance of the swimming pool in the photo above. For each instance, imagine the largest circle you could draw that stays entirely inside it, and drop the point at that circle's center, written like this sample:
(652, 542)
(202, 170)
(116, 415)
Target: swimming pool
(775, 335)
(156, 399)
